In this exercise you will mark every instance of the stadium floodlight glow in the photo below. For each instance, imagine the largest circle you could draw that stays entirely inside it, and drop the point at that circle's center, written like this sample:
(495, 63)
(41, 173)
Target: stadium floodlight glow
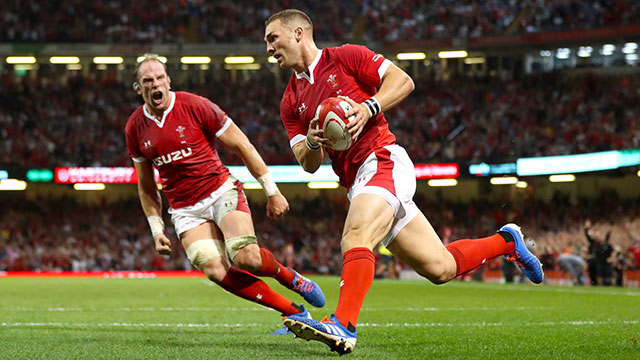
(162, 59)
(89, 186)
(74, 67)
(239, 60)
(563, 53)
(323, 185)
(195, 60)
(562, 178)
(630, 48)
(474, 60)
(108, 60)
(452, 54)
(25, 67)
(522, 184)
(631, 57)
(252, 186)
(254, 66)
(638, 173)
(504, 180)
(607, 49)
(546, 53)
(411, 56)
(442, 182)
(13, 185)
(64, 60)
(21, 60)
(272, 60)
(4, 174)
(585, 51)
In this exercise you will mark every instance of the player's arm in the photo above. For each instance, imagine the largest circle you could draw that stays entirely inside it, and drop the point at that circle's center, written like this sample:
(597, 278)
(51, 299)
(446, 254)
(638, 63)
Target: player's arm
(152, 205)
(396, 85)
(310, 152)
(235, 140)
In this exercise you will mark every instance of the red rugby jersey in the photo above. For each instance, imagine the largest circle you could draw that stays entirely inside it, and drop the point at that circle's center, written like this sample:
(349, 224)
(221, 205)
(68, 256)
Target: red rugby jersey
(182, 146)
(348, 70)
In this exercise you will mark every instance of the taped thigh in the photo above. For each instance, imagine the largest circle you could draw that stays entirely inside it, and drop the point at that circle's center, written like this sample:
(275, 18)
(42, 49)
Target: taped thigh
(234, 245)
(201, 251)
(233, 199)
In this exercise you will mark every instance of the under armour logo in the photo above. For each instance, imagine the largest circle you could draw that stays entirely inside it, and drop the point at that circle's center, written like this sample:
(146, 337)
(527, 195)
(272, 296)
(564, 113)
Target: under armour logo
(147, 144)
(341, 283)
(259, 297)
(302, 108)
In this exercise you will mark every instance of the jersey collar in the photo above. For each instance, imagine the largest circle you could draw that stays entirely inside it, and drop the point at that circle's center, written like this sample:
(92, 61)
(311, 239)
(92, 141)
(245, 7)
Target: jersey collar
(311, 69)
(164, 115)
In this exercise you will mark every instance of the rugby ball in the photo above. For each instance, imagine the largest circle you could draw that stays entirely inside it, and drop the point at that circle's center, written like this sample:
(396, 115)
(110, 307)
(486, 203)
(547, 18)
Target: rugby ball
(331, 114)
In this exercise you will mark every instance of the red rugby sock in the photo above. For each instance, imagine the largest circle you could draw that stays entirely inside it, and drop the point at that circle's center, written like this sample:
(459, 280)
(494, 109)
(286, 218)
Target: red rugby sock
(272, 268)
(247, 286)
(471, 253)
(357, 275)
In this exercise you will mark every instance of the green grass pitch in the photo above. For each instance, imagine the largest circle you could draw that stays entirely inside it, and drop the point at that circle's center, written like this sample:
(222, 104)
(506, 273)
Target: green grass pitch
(409, 319)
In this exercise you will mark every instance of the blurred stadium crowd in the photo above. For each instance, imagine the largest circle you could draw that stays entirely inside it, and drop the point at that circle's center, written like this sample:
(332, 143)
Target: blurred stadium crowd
(145, 21)
(63, 234)
(78, 120)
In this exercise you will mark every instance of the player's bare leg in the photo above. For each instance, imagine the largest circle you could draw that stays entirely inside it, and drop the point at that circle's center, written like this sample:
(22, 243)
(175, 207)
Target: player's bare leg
(207, 253)
(418, 245)
(243, 249)
(369, 219)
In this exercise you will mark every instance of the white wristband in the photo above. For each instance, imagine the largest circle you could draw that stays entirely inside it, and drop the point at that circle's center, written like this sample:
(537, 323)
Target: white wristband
(156, 224)
(268, 185)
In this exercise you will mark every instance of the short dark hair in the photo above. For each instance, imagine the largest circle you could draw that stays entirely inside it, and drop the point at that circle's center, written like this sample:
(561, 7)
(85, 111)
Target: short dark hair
(290, 15)
(147, 57)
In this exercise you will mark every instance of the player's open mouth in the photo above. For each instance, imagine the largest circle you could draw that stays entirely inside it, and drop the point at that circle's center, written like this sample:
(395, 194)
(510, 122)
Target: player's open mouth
(157, 96)
(277, 56)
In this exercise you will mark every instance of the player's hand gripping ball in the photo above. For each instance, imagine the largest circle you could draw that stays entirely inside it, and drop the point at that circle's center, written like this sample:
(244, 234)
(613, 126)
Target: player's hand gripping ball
(331, 118)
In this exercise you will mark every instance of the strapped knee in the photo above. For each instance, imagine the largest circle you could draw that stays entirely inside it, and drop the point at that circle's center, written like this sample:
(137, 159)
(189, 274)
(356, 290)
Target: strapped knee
(234, 245)
(201, 251)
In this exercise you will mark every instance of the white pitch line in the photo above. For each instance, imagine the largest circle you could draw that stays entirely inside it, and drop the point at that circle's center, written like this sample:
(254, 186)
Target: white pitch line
(544, 288)
(383, 325)
(117, 324)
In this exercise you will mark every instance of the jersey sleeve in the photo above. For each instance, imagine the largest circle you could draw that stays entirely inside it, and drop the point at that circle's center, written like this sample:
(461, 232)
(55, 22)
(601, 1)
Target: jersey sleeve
(362, 63)
(296, 130)
(214, 120)
(133, 146)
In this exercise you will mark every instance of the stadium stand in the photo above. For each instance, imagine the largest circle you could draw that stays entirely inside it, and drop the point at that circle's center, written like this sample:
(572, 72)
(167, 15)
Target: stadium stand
(82, 237)
(463, 119)
(241, 21)
(53, 117)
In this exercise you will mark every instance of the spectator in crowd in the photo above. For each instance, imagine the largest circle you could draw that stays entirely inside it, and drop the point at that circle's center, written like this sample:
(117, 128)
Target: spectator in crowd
(592, 258)
(604, 268)
(575, 265)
